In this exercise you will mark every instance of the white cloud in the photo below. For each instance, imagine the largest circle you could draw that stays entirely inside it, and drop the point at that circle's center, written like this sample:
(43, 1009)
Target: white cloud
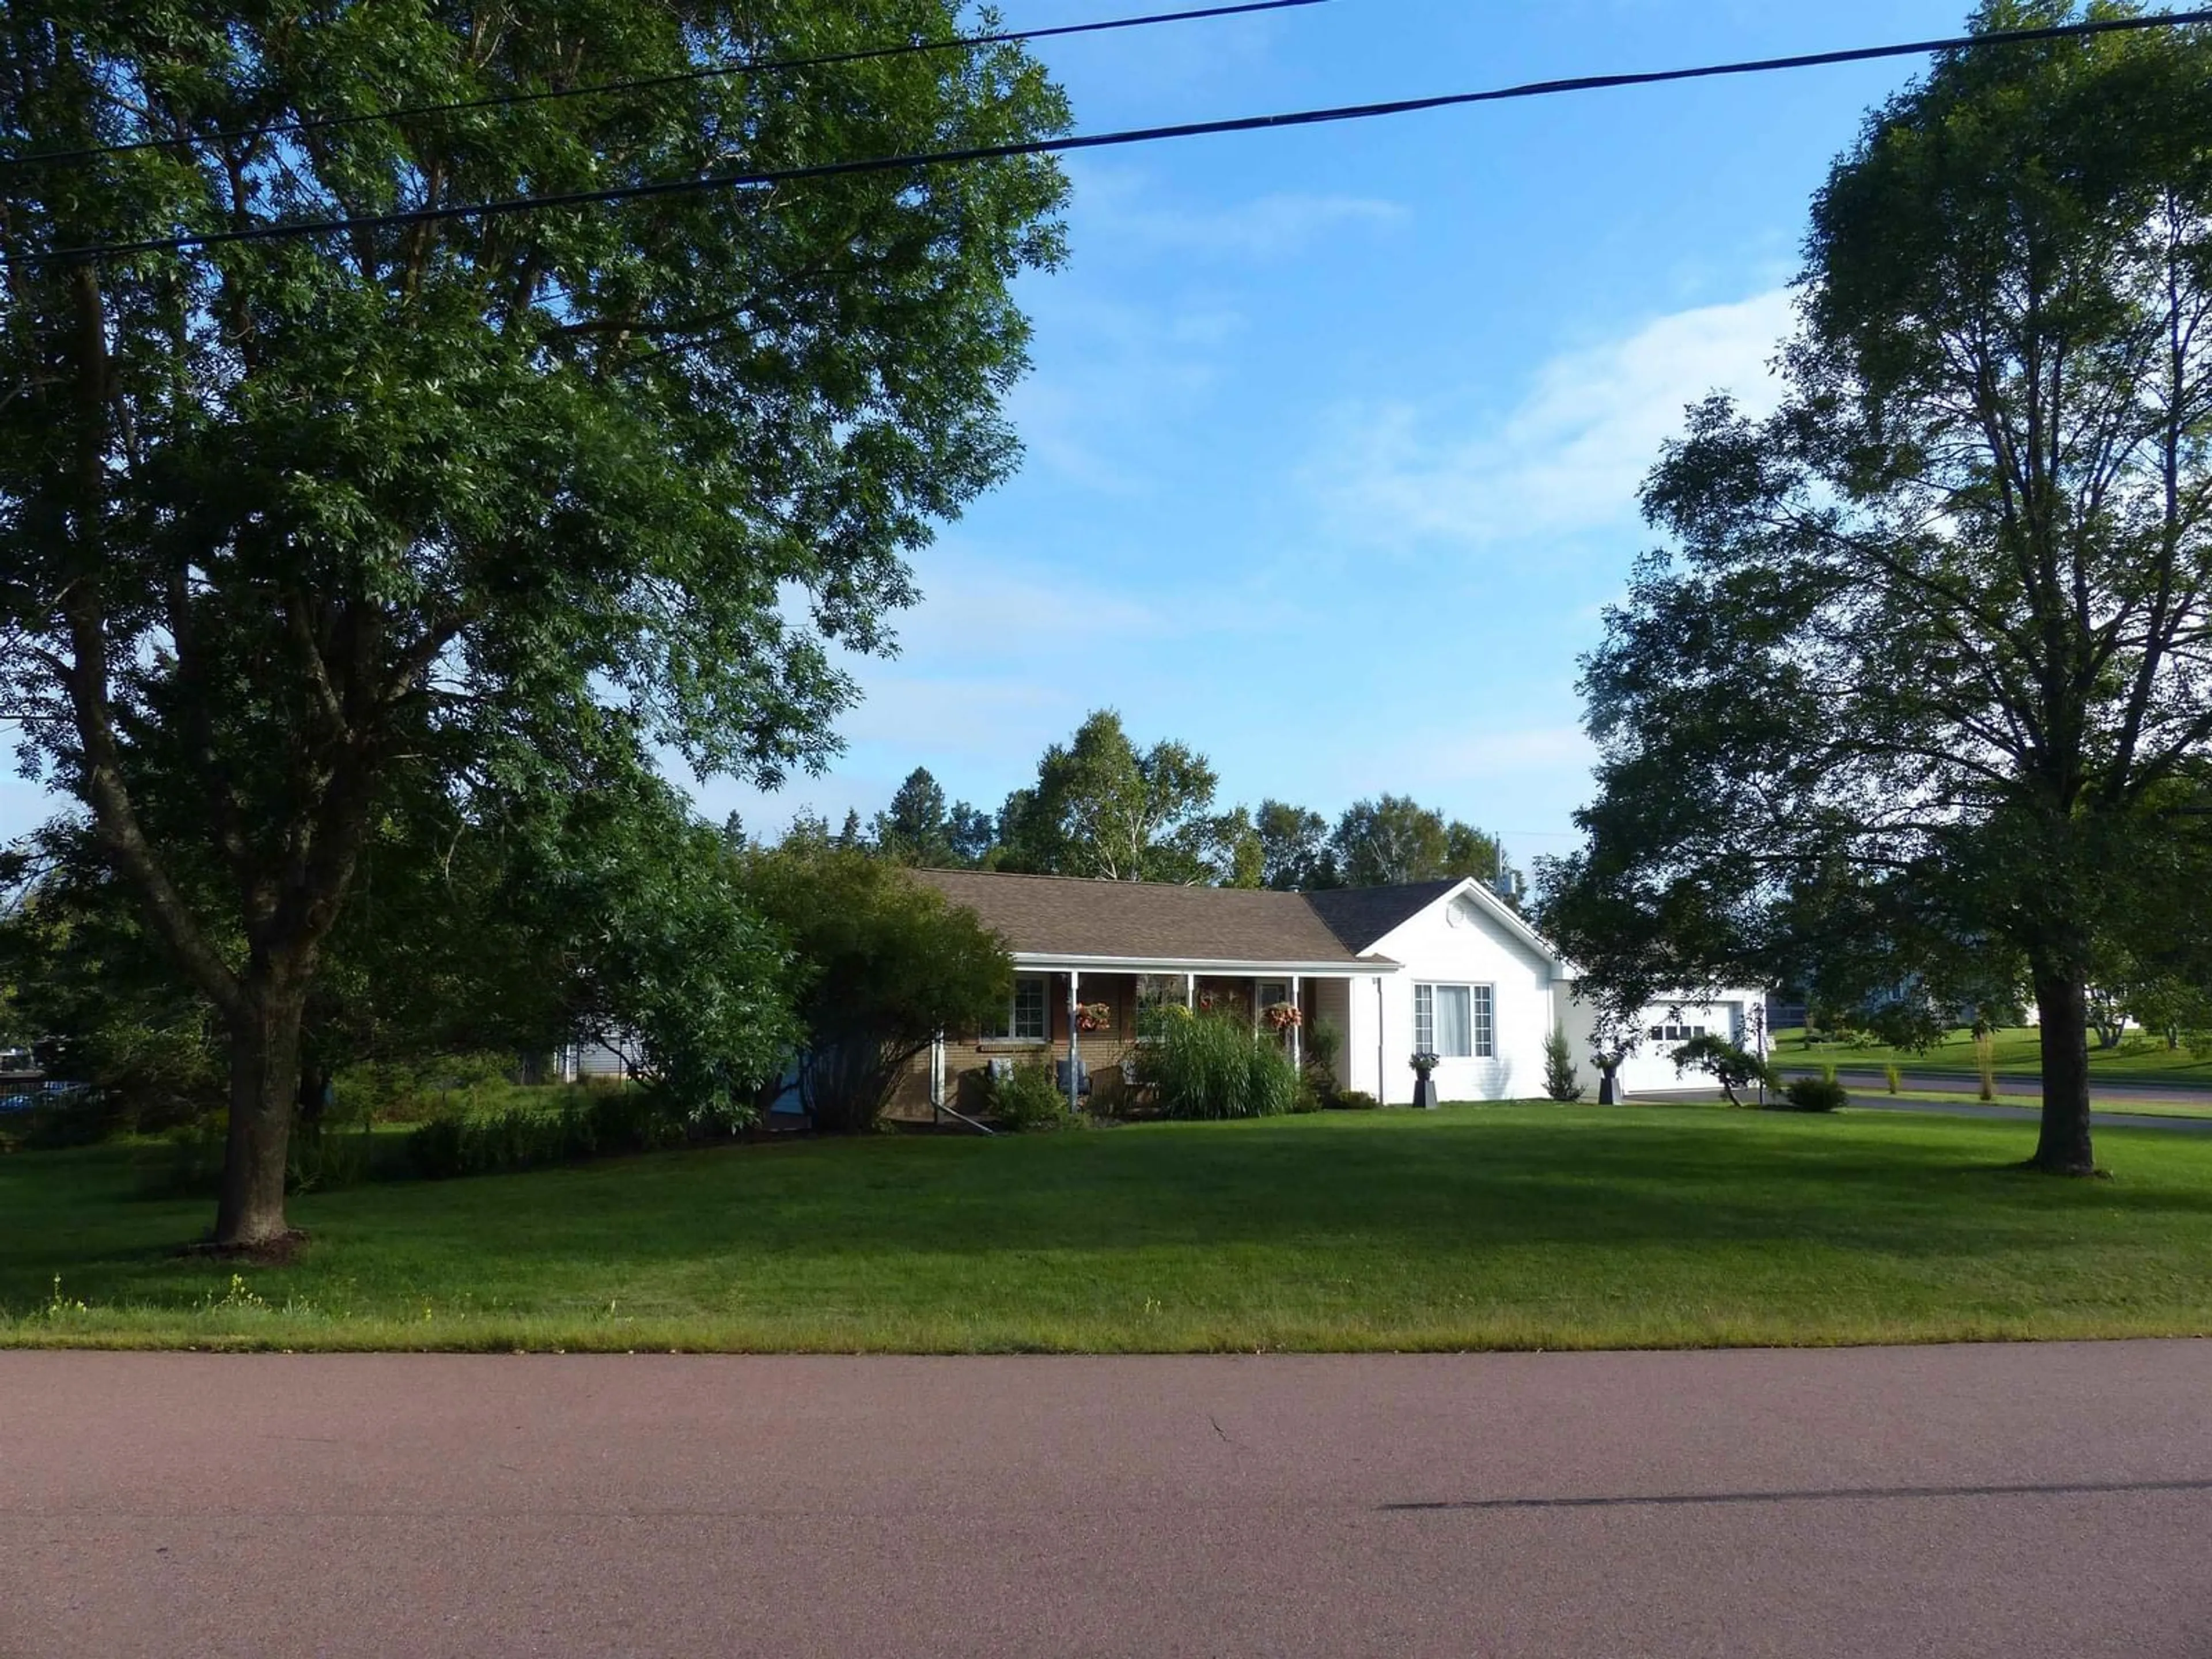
(1571, 455)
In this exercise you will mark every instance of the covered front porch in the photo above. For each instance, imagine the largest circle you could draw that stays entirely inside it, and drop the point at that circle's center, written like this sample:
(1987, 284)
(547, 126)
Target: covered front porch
(1090, 1019)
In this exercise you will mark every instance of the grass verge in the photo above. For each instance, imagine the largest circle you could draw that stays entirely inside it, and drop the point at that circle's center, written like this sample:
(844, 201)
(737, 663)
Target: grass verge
(2016, 1050)
(1482, 1227)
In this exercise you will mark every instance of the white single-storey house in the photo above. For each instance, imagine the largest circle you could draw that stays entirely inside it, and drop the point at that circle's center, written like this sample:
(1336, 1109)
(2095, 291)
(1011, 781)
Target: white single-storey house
(1444, 967)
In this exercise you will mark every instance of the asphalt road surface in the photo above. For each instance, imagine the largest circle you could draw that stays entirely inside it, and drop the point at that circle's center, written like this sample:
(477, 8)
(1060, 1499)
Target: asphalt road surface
(1868, 1094)
(1932, 1502)
(2102, 1096)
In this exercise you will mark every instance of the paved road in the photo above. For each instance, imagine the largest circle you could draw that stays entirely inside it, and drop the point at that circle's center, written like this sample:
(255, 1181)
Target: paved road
(2024, 1086)
(2003, 1501)
(1868, 1095)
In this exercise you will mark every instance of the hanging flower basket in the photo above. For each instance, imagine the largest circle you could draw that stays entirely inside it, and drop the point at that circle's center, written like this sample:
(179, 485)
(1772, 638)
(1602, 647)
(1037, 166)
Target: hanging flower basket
(1092, 1016)
(1282, 1016)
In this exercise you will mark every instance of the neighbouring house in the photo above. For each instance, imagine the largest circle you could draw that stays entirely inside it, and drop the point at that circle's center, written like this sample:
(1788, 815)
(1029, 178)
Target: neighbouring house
(1443, 966)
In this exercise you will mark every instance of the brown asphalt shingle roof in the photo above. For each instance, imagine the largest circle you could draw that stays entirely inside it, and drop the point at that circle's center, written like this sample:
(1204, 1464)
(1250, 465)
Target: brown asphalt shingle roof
(1067, 915)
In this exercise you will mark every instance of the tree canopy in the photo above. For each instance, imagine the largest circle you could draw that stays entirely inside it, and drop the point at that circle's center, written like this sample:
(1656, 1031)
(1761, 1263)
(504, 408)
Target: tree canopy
(1918, 692)
(883, 966)
(1394, 839)
(288, 525)
(1100, 806)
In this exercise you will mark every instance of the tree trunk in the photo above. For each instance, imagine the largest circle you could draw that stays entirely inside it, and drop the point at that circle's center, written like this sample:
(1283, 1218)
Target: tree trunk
(265, 1081)
(2062, 1003)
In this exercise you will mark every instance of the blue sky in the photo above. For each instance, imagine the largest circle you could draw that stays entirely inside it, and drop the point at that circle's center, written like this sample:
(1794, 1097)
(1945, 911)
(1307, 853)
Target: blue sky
(1334, 434)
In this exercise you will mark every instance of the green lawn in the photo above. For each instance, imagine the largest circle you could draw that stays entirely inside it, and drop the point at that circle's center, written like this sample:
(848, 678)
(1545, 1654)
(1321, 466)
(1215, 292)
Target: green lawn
(1480, 1227)
(2137, 1059)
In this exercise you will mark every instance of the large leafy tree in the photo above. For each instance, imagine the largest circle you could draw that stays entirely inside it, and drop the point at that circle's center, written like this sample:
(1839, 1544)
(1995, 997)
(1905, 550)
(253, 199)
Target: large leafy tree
(288, 525)
(883, 964)
(1394, 839)
(1295, 854)
(1925, 672)
(604, 913)
(1102, 807)
(918, 828)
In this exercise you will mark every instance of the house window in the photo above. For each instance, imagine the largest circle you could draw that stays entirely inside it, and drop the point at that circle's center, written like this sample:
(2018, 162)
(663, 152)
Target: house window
(1026, 1016)
(1455, 1022)
(1675, 1031)
(1161, 990)
(1156, 993)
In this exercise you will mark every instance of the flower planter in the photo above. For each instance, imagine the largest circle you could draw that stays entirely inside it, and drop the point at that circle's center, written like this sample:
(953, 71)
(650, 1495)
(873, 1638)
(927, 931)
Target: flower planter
(1425, 1081)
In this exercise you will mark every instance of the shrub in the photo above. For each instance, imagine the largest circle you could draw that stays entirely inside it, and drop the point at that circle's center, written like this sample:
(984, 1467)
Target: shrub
(1723, 1061)
(1560, 1081)
(1814, 1094)
(1217, 1066)
(584, 1123)
(1324, 1045)
(1028, 1099)
(1354, 1100)
(78, 1118)
(416, 1091)
(1894, 1075)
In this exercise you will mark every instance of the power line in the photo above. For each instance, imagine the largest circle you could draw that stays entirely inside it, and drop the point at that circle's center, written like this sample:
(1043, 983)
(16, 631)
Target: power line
(645, 83)
(1109, 140)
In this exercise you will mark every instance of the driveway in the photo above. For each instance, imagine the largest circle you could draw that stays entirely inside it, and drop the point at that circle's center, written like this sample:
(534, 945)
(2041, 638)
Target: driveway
(2005, 1500)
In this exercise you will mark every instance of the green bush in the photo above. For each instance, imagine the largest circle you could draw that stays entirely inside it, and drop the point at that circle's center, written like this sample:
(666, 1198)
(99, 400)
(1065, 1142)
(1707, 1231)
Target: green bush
(1726, 1063)
(1561, 1083)
(586, 1123)
(1323, 1047)
(1814, 1094)
(1354, 1100)
(1028, 1099)
(1892, 1075)
(417, 1090)
(1217, 1066)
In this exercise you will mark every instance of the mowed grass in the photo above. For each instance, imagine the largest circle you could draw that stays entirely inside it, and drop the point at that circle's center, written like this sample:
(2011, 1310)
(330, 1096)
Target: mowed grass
(2017, 1051)
(1483, 1227)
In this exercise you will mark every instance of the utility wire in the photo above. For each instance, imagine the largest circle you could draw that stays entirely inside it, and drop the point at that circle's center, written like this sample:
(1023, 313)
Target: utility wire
(645, 83)
(1108, 140)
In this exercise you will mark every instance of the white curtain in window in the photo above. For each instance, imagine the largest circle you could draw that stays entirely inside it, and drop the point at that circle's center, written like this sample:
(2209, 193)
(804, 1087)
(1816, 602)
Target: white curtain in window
(1454, 1026)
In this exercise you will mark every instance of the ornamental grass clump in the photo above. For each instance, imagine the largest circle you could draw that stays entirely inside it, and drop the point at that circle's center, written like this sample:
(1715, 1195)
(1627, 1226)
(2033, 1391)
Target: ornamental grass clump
(1217, 1066)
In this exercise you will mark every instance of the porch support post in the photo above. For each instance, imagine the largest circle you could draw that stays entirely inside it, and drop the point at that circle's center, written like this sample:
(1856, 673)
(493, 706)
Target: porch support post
(1074, 1047)
(1298, 1052)
(1381, 1049)
(937, 1077)
(1190, 993)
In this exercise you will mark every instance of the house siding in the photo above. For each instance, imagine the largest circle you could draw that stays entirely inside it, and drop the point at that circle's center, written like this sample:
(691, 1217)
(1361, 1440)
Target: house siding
(1330, 999)
(1649, 1069)
(1480, 950)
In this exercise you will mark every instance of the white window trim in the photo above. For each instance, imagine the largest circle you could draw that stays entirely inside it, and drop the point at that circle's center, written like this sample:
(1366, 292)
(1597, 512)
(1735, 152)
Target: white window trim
(1012, 1036)
(1471, 986)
